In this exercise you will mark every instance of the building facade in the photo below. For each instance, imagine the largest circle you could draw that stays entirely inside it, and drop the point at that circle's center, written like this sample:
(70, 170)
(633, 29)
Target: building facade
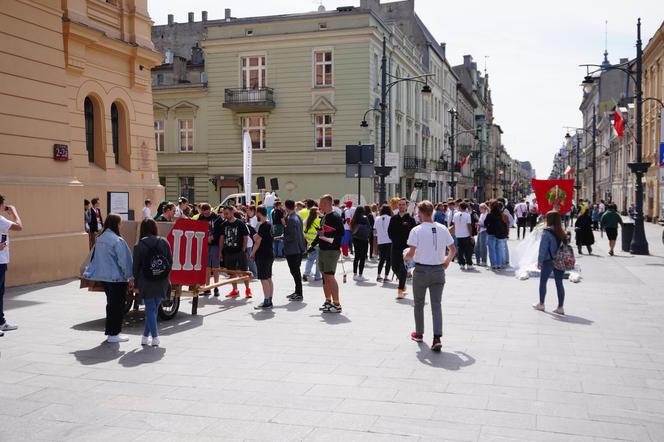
(76, 123)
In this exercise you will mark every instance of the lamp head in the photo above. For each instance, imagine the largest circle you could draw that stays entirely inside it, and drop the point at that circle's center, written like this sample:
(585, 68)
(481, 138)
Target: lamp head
(364, 123)
(426, 89)
(568, 137)
(587, 84)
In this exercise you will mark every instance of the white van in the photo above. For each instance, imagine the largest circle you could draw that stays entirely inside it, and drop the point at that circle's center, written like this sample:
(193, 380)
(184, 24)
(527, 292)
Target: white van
(238, 198)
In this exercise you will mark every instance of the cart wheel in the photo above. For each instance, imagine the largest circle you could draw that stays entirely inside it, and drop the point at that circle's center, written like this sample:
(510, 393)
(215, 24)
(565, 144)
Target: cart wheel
(129, 301)
(169, 308)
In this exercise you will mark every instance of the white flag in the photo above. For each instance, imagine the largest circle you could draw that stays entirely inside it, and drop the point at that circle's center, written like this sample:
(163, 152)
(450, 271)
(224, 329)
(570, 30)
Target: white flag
(246, 158)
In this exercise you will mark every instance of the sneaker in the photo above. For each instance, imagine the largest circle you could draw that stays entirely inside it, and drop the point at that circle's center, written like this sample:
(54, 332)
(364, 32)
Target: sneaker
(355, 277)
(539, 307)
(333, 308)
(318, 279)
(401, 293)
(296, 297)
(233, 294)
(8, 327)
(155, 342)
(144, 340)
(216, 291)
(436, 345)
(379, 279)
(361, 278)
(116, 339)
(247, 293)
(325, 305)
(416, 337)
(304, 278)
(559, 311)
(263, 305)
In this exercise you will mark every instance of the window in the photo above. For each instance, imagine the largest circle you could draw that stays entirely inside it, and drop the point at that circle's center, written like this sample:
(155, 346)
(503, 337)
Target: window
(253, 72)
(186, 187)
(186, 128)
(89, 129)
(159, 135)
(160, 79)
(114, 132)
(256, 128)
(162, 181)
(323, 68)
(323, 131)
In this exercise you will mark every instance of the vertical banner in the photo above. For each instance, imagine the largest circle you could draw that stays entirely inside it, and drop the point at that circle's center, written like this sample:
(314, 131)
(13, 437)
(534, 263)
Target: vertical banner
(246, 159)
(188, 240)
(554, 195)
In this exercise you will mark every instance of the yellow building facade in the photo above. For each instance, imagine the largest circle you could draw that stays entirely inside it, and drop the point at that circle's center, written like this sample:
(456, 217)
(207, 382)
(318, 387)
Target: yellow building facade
(76, 122)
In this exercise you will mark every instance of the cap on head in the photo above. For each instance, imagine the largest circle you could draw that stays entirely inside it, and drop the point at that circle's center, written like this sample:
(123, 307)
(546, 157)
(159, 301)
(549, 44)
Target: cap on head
(349, 204)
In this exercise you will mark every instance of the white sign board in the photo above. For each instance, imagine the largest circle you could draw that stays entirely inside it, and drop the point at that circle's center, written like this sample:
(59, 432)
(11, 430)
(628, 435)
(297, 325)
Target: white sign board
(247, 160)
(118, 202)
(392, 159)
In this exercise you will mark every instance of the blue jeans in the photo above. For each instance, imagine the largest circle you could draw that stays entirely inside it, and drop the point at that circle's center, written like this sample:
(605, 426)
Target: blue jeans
(151, 307)
(503, 251)
(547, 268)
(3, 271)
(492, 243)
(251, 264)
(278, 248)
(311, 258)
(481, 247)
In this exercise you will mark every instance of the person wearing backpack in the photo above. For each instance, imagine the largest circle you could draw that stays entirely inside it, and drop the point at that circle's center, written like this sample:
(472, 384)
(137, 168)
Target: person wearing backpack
(153, 260)
(361, 234)
(554, 239)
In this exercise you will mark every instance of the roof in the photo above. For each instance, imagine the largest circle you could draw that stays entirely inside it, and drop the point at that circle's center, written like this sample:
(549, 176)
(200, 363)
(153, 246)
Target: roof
(431, 42)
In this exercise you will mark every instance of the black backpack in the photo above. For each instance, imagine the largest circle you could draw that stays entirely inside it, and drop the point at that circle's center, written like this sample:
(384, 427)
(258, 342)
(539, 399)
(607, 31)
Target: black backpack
(155, 264)
(474, 223)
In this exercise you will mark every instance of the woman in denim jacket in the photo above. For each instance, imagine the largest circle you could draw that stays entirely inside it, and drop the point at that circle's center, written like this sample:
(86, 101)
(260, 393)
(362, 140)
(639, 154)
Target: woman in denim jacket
(552, 237)
(112, 265)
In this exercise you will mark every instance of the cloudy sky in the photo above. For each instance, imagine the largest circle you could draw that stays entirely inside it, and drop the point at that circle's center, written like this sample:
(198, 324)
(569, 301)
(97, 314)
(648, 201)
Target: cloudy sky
(533, 49)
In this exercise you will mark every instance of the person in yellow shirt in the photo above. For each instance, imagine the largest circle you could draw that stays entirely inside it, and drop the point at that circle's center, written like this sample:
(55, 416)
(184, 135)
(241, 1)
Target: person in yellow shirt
(311, 227)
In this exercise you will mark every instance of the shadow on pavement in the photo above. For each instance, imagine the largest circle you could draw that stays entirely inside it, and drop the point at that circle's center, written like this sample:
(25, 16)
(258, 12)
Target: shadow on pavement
(12, 304)
(332, 318)
(405, 301)
(571, 319)
(104, 352)
(448, 361)
(21, 290)
(134, 323)
(293, 306)
(262, 315)
(145, 355)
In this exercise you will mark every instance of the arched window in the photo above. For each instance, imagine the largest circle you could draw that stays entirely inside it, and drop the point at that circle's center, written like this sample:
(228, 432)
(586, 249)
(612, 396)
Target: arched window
(114, 133)
(120, 135)
(89, 129)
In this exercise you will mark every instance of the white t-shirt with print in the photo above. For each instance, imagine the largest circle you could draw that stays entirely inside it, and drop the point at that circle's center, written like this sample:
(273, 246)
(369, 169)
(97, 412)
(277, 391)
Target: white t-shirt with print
(5, 225)
(461, 221)
(381, 225)
(431, 241)
(348, 215)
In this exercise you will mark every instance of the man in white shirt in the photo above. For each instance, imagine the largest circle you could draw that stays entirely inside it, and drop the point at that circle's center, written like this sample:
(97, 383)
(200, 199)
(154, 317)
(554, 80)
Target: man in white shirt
(268, 201)
(182, 207)
(147, 212)
(521, 212)
(463, 232)
(5, 226)
(348, 213)
(428, 242)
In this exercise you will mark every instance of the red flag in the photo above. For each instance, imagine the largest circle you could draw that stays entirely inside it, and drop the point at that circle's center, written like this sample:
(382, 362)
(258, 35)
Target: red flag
(464, 161)
(189, 240)
(618, 123)
(569, 170)
(554, 195)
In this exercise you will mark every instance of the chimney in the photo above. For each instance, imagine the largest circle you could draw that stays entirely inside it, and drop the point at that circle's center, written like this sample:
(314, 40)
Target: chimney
(227, 14)
(443, 46)
(204, 16)
(191, 17)
(170, 20)
(467, 60)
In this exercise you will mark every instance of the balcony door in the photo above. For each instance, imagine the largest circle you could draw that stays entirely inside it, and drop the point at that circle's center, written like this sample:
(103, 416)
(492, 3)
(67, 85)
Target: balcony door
(253, 72)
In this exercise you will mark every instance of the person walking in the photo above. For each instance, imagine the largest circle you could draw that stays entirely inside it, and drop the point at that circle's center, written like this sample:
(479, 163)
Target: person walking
(147, 211)
(294, 246)
(400, 226)
(311, 227)
(330, 235)
(347, 242)
(384, 242)
(263, 255)
(232, 244)
(533, 214)
(153, 260)
(252, 222)
(96, 222)
(595, 217)
(215, 231)
(584, 231)
(6, 226)
(496, 227)
(361, 235)
(111, 264)
(609, 222)
(278, 215)
(553, 237)
(428, 242)
(369, 212)
(463, 232)
(521, 212)
(482, 236)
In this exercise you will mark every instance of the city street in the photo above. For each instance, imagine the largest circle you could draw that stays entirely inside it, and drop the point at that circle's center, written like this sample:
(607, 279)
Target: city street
(506, 371)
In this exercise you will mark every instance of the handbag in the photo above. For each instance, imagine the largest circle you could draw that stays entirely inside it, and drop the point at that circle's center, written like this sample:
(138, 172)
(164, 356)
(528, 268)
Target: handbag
(92, 286)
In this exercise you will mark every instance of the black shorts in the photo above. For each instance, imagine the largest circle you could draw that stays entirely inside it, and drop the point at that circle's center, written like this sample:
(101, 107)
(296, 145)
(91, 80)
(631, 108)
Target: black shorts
(611, 233)
(521, 222)
(264, 268)
(235, 261)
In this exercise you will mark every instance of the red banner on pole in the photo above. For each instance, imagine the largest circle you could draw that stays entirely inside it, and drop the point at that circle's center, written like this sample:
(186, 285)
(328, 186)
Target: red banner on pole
(189, 243)
(554, 195)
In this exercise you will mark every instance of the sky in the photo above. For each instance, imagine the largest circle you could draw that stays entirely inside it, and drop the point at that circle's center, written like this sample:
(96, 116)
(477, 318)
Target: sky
(532, 49)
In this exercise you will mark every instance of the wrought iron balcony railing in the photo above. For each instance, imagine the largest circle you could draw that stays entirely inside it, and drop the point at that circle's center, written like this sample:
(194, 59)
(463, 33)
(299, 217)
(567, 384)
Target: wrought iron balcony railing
(249, 99)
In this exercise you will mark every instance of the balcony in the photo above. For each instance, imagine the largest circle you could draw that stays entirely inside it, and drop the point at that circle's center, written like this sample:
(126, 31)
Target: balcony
(412, 161)
(249, 100)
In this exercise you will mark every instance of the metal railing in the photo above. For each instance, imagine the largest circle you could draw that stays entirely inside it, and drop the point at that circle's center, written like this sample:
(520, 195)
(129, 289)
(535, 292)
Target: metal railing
(249, 97)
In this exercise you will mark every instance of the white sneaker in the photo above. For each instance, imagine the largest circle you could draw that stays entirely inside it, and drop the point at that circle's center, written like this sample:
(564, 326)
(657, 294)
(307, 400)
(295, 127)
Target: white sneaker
(379, 279)
(7, 327)
(539, 307)
(354, 277)
(144, 340)
(559, 311)
(155, 342)
(116, 339)
(361, 278)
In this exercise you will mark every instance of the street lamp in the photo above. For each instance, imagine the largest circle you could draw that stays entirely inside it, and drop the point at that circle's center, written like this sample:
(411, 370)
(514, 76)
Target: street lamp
(454, 114)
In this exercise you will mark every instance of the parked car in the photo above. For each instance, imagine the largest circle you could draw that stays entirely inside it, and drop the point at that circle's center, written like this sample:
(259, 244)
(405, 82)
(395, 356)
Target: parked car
(238, 198)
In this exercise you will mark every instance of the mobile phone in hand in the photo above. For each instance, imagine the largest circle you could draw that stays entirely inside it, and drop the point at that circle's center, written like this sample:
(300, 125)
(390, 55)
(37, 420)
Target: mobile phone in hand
(3, 238)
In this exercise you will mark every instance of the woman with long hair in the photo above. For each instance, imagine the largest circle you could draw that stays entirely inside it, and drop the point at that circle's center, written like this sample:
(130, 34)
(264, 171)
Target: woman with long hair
(384, 242)
(111, 264)
(583, 229)
(149, 250)
(552, 238)
(496, 228)
(361, 234)
(311, 228)
(369, 212)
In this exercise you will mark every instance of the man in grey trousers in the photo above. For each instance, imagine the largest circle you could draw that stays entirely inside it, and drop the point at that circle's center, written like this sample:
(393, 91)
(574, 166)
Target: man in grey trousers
(428, 243)
(294, 246)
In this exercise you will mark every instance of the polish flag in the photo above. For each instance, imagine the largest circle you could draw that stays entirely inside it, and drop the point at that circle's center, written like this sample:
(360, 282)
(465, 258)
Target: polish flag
(618, 123)
(569, 170)
(464, 161)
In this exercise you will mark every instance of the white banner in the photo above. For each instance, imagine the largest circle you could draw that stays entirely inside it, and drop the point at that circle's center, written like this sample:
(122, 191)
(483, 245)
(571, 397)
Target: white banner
(246, 159)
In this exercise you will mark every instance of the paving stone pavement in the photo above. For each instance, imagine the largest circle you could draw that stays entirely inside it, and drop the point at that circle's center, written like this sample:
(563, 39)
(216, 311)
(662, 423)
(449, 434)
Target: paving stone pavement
(506, 371)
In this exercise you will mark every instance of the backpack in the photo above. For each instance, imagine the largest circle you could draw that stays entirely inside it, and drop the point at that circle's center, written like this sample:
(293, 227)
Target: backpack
(155, 265)
(362, 232)
(564, 259)
(474, 222)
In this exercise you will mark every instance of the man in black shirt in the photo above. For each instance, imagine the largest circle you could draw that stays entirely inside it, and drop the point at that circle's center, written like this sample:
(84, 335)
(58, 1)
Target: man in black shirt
(214, 236)
(233, 243)
(400, 226)
(329, 238)
(263, 255)
(278, 215)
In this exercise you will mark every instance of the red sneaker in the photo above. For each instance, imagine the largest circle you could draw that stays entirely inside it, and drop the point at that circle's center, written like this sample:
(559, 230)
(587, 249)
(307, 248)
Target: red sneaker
(437, 345)
(233, 294)
(247, 293)
(416, 337)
